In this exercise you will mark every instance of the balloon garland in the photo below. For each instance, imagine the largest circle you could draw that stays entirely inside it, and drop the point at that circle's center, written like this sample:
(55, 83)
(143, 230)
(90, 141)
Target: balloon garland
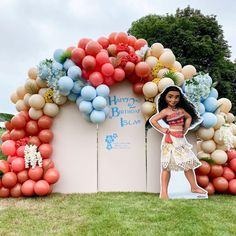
(84, 75)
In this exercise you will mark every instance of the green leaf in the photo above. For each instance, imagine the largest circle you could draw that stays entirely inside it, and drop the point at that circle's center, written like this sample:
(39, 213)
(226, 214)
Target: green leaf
(6, 116)
(1, 174)
(65, 55)
(208, 160)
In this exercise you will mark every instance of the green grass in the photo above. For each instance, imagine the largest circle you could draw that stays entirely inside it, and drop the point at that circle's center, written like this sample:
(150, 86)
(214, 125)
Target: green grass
(117, 214)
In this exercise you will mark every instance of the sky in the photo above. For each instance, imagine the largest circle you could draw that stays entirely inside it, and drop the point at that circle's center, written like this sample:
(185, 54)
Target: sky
(30, 30)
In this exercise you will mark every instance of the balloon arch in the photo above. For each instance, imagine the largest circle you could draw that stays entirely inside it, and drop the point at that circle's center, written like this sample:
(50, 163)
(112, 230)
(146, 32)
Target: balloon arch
(84, 75)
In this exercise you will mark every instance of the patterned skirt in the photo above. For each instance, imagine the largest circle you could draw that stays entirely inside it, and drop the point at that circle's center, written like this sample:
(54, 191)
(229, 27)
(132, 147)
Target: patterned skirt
(178, 155)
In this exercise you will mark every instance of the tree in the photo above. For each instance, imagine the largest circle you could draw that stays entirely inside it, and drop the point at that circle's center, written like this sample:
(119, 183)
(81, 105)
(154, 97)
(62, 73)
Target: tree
(195, 39)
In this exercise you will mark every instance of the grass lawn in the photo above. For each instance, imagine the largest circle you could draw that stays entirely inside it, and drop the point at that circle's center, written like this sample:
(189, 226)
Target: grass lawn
(117, 214)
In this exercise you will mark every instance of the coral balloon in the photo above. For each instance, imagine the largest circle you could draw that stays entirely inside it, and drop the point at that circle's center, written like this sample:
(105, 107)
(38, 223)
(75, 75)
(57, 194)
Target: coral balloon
(32, 127)
(210, 189)
(142, 69)
(202, 180)
(83, 42)
(231, 154)
(41, 188)
(47, 164)
(51, 176)
(107, 69)
(34, 140)
(25, 114)
(9, 179)
(35, 173)
(45, 136)
(139, 43)
(77, 55)
(92, 48)
(119, 74)
(22, 176)
(18, 164)
(27, 188)
(129, 68)
(216, 171)
(8, 125)
(204, 169)
(232, 164)
(89, 63)
(96, 79)
(45, 122)
(121, 37)
(103, 41)
(5, 136)
(8, 147)
(4, 192)
(17, 134)
(228, 173)
(20, 151)
(16, 191)
(220, 184)
(18, 122)
(102, 58)
(45, 150)
(4, 166)
(138, 88)
(232, 186)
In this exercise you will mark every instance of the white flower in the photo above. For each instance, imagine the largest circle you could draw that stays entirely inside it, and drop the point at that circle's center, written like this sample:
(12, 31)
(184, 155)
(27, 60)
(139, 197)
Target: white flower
(227, 136)
(142, 51)
(32, 156)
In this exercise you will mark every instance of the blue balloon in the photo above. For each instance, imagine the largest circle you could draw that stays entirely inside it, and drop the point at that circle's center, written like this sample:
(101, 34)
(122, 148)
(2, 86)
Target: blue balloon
(72, 97)
(213, 93)
(65, 83)
(99, 103)
(85, 107)
(97, 116)
(76, 88)
(106, 110)
(210, 104)
(103, 90)
(88, 93)
(79, 100)
(209, 120)
(57, 54)
(68, 63)
(57, 66)
(201, 108)
(183, 87)
(74, 72)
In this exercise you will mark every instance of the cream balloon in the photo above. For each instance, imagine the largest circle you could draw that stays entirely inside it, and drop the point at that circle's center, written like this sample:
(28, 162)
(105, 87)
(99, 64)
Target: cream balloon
(21, 92)
(233, 128)
(167, 59)
(165, 82)
(32, 73)
(36, 101)
(220, 121)
(51, 109)
(59, 99)
(161, 72)
(26, 99)
(42, 91)
(217, 138)
(189, 71)
(208, 146)
(41, 83)
(199, 146)
(230, 118)
(205, 134)
(180, 78)
(31, 86)
(150, 89)
(225, 105)
(35, 114)
(14, 98)
(202, 155)
(151, 61)
(219, 156)
(221, 147)
(148, 108)
(167, 50)
(157, 49)
(234, 141)
(177, 66)
(21, 106)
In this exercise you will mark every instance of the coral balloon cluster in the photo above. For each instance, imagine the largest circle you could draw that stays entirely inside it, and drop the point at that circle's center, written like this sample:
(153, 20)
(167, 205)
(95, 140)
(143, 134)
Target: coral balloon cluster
(219, 178)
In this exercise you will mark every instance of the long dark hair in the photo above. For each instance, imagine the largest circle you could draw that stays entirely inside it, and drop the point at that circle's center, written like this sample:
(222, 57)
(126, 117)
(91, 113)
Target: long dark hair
(183, 103)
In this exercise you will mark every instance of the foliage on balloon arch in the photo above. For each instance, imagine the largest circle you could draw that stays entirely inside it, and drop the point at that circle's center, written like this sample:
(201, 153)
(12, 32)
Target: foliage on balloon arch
(84, 75)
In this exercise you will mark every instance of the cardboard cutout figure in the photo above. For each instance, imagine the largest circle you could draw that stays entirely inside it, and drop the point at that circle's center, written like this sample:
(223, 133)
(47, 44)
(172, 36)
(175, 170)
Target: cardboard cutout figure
(176, 154)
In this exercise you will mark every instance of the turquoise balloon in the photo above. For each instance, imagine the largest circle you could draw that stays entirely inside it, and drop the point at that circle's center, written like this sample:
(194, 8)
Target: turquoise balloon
(74, 72)
(209, 120)
(97, 116)
(76, 88)
(57, 54)
(210, 104)
(99, 103)
(65, 83)
(68, 63)
(85, 107)
(213, 93)
(72, 97)
(88, 93)
(103, 90)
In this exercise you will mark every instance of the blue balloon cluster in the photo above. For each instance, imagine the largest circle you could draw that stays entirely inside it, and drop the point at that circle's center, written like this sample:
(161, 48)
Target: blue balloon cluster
(93, 103)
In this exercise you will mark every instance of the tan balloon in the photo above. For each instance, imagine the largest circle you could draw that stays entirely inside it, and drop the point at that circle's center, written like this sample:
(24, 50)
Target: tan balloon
(147, 108)
(161, 72)
(31, 86)
(205, 134)
(202, 155)
(199, 146)
(41, 83)
(36, 101)
(150, 89)
(225, 105)
(217, 138)
(208, 146)
(220, 121)
(21, 92)
(26, 99)
(59, 100)
(32, 73)
(14, 98)
(51, 109)
(177, 66)
(35, 114)
(167, 50)
(21, 106)
(230, 118)
(219, 156)
(189, 71)
(180, 78)
(165, 82)
(221, 147)
(151, 61)
(157, 49)
(233, 128)
(42, 91)
(167, 59)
